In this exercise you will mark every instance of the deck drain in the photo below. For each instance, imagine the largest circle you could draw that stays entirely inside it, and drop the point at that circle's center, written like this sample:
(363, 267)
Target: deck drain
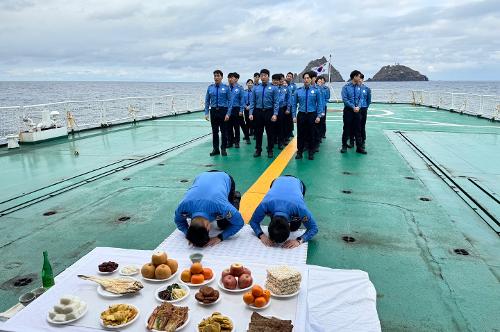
(161, 164)
(462, 252)
(347, 173)
(347, 192)
(22, 282)
(126, 179)
(124, 218)
(409, 178)
(184, 180)
(348, 239)
(209, 165)
(425, 199)
(49, 213)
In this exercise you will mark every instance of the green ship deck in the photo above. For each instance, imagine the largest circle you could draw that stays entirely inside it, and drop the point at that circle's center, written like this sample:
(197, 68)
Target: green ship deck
(427, 187)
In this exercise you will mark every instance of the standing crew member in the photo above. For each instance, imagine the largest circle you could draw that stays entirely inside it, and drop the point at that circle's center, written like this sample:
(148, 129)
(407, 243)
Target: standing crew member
(264, 112)
(256, 78)
(284, 96)
(309, 101)
(211, 198)
(236, 119)
(218, 98)
(284, 202)
(364, 103)
(351, 95)
(326, 98)
(247, 94)
(292, 87)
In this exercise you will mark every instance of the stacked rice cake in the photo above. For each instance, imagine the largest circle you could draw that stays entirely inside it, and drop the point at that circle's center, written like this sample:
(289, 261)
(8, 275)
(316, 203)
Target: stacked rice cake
(283, 280)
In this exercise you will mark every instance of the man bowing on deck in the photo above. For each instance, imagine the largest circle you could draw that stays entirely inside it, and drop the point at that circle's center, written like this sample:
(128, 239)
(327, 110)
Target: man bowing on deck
(284, 203)
(211, 199)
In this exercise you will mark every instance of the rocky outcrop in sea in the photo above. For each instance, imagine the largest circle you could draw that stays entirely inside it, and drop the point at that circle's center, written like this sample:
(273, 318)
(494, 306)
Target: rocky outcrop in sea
(398, 73)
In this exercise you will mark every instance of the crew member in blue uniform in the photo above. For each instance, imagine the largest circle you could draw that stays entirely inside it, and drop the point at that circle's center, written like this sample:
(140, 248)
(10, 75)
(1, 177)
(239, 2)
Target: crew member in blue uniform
(310, 102)
(317, 126)
(284, 203)
(364, 103)
(280, 133)
(211, 199)
(247, 94)
(288, 118)
(256, 78)
(218, 100)
(264, 108)
(236, 119)
(351, 96)
(326, 97)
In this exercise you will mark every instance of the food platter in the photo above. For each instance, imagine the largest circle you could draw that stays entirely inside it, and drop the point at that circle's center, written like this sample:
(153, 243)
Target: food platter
(285, 296)
(259, 308)
(177, 329)
(197, 285)
(51, 321)
(128, 274)
(209, 304)
(101, 291)
(157, 297)
(114, 327)
(197, 326)
(236, 290)
(161, 280)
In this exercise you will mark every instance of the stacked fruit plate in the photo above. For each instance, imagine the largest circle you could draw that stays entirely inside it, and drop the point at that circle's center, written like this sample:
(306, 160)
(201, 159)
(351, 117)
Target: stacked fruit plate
(236, 279)
(161, 268)
(197, 275)
(258, 298)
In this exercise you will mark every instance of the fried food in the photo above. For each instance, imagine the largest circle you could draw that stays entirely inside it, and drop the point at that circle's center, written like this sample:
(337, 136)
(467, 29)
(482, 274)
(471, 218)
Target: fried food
(215, 323)
(118, 314)
(167, 317)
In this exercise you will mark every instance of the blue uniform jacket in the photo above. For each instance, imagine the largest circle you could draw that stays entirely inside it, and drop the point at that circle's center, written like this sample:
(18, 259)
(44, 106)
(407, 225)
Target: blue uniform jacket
(208, 198)
(237, 94)
(366, 96)
(312, 103)
(267, 96)
(284, 96)
(351, 95)
(326, 93)
(285, 199)
(218, 96)
(293, 87)
(247, 98)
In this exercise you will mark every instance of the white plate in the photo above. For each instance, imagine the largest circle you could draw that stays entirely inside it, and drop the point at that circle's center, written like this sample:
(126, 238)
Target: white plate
(197, 285)
(171, 301)
(232, 322)
(177, 329)
(237, 290)
(128, 274)
(68, 321)
(161, 280)
(101, 291)
(105, 273)
(208, 304)
(261, 308)
(285, 296)
(123, 325)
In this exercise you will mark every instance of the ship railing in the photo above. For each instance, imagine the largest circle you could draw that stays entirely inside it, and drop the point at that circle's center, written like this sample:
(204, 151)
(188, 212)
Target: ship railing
(81, 115)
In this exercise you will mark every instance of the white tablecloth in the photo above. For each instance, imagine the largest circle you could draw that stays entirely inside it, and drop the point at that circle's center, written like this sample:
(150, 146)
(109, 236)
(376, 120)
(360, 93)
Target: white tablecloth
(330, 300)
(243, 246)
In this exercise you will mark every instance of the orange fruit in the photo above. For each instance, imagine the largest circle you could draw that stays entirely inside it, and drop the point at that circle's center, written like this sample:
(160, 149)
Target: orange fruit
(248, 298)
(197, 278)
(186, 275)
(257, 291)
(196, 268)
(260, 302)
(208, 273)
(266, 294)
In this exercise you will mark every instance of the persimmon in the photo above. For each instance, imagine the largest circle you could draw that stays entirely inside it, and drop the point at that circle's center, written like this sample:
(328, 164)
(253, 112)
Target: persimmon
(248, 298)
(260, 302)
(196, 268)
(186, 275)
(208, 273)
(266, 294)
(197, 278)
(257, 291)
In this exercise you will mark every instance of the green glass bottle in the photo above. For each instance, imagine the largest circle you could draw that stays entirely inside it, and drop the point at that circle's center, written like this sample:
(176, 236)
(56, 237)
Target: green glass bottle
(47, 274)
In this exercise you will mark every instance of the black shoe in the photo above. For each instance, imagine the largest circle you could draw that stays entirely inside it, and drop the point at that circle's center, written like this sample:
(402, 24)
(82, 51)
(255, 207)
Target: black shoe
(256, 154)
(280, 146)
(223, 152)
(270, 154)
(298, 155)
(350, 146)
(361, 150)
(324, 137)
(344, 149)
(214, 153)
(316, 150)
(237, 145)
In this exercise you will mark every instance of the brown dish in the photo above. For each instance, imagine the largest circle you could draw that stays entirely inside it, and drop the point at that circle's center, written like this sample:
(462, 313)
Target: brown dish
(167, 317)
(207, 295)
(259, 323)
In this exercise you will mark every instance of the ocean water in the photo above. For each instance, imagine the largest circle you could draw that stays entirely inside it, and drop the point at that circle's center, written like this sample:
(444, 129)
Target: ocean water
(29, 93)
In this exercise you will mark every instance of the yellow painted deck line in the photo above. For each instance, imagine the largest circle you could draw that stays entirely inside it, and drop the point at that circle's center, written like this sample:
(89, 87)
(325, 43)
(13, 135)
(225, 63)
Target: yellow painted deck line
(254, 195)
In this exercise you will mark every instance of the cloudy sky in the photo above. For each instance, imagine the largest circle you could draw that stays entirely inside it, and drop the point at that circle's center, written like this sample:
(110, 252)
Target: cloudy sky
(185, 40)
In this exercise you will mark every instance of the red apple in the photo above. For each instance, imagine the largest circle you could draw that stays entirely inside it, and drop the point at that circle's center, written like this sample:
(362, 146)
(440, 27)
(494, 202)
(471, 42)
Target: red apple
(246, 271)
(229, 282)
(245, 280)
(236, 269)
(226, 272)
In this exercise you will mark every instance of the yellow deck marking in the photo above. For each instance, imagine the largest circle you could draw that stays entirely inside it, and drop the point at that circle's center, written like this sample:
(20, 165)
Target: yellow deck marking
(254, 195)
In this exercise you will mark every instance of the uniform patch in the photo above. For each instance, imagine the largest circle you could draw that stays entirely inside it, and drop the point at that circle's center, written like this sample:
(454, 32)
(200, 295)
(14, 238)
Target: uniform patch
(229, 215)
(312, 92)
(305, 219)
(235, 90)
(222, 89)
(269, 88)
